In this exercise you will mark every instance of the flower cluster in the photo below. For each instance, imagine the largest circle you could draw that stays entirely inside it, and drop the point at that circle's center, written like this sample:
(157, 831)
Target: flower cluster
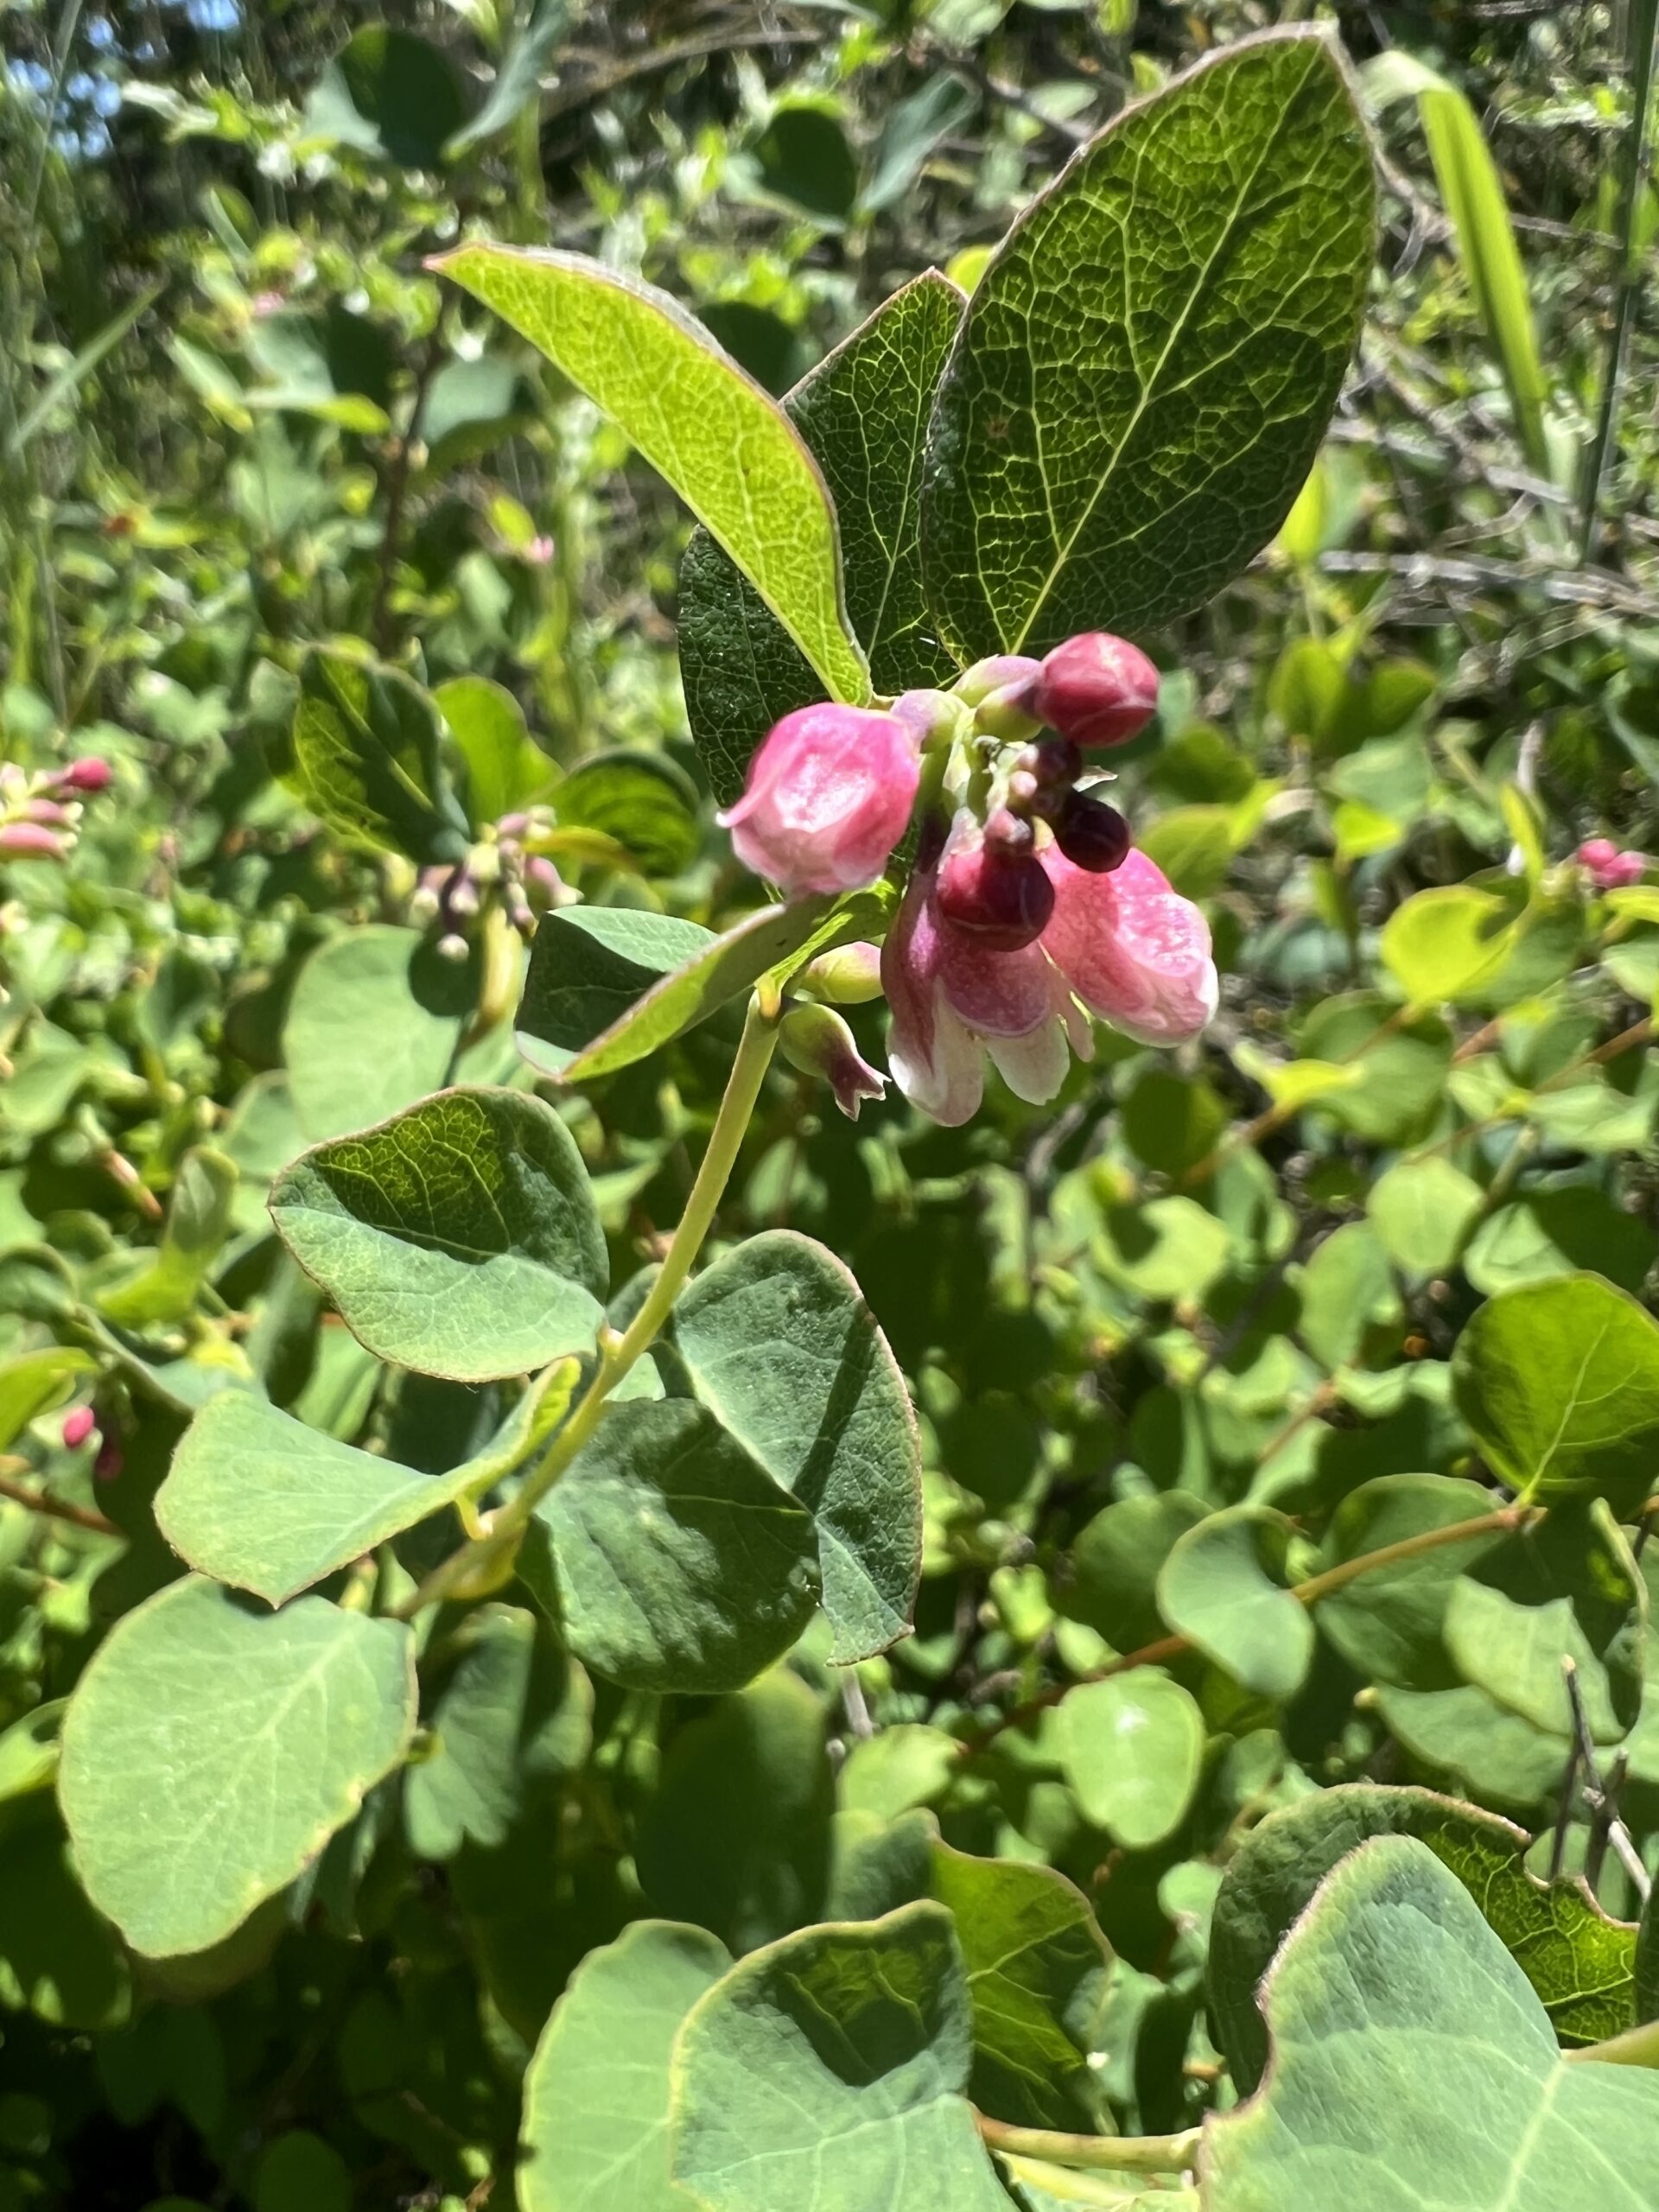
(1027, 909)
(39, 815)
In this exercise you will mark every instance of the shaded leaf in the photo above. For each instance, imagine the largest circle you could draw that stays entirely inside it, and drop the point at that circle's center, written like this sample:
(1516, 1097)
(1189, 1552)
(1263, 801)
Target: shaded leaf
(368, 747)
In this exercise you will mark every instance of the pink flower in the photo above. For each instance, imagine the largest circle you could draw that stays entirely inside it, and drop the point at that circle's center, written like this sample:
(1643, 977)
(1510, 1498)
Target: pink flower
(1123, 946)
(90, 773)
(1611, 869)
(828, 797)
(29, 841)
(1096, 689)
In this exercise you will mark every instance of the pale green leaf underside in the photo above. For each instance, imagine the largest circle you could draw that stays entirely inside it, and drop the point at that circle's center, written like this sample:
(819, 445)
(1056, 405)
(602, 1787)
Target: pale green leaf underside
(460, 1238)
(211, 1748)
(595, 2122)
(257, 1499)
(829, 2071)
(721, 442)
(1148, 366)
(1414, 2066)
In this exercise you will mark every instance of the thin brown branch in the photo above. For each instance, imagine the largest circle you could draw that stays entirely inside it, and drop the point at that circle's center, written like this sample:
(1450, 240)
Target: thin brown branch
(55, 1509)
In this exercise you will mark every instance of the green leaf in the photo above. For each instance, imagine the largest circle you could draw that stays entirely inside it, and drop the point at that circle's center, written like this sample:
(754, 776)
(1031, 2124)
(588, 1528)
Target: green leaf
(1421, 1210)
(804, 157)
(1578, 1960)
(1557, 1232)
(721, 442)
(1133, 1746)
(568, 986)
(506, 770)
(1473, 194)
(641, 800)
(256, 1498)
(737, 1834)
(1569, 1589)
(832, 2069)
(1115, 1563)
(1220, 1587)
(168, 1281)
(59, 1959)
(863, 412)
(1388, 1624)
(779, 1345)
(511, 1715)
(34, 1384)
(376, 1022)
(210, 1749)
(1395, 2005)
(368, 759)
(595, 2124)
(1559, 1382)
(1646, 1963)
(518, 79)
(1037, 1965)
(1147, 368)
(680, 1564)
(460, 1238)
(1467, 1739)
(588, 967)
(391, 93)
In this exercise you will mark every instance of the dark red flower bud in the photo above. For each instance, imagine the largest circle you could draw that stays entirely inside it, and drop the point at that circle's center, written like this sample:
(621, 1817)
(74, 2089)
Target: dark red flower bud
(1091, 833)
(89, 774)
(1054, 761)
(1096, 689)
(996, 889)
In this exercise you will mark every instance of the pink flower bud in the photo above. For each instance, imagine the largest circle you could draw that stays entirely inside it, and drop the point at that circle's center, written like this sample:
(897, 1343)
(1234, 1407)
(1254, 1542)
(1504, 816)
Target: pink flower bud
(1611, 869)
(110, 1461)
(1091, 833)
(90, 773)
(816, 1041)
(29, 841)
(933, 715)
(48, 811)
(1096, 689)
(850, 975)
(828, 797)
(993, 887)
(78, 1426)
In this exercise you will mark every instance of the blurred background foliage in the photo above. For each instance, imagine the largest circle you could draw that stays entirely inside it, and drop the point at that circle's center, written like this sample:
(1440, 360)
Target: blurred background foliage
(237, 418)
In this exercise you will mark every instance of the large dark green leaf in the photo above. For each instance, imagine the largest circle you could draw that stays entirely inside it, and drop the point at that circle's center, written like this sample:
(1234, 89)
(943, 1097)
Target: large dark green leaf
(389, 93)
(863, 413)
(1147, 368)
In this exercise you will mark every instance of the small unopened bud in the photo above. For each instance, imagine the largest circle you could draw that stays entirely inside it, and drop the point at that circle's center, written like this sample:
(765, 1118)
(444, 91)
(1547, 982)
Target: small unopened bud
(1096, 689)
(1609, 868)
(936, 717)
(422, 905)
(815, 1039)
(90, 773)
(78, 1426)
(996, 889)
(459, 900)
(31, 841)
(452, 947)
(110, 1461)
(1053, 762)
(850, 976)
(1091, 833)
(1000, 692)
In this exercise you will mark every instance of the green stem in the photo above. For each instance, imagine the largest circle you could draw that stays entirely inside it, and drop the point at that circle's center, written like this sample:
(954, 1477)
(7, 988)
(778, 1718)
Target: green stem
(617, 1354)
(1133, 2154)
(1636, 2047)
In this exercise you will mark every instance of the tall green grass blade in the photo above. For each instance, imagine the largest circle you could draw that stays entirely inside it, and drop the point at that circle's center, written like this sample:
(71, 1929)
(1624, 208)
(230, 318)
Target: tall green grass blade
(1644, 37)
(74, 373)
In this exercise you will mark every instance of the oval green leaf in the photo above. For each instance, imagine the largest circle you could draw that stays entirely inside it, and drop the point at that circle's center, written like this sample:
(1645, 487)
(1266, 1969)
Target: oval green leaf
(460, 1238)
(187, 1809)
(720, 442)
